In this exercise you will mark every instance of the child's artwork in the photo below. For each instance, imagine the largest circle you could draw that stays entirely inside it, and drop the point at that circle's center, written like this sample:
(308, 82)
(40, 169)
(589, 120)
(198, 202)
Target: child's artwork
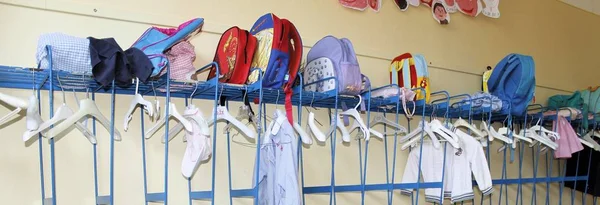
(375, 5)
(469, 7)
(440, 14)
(451, 6)
(491, 8)
(402, 4)
(360, 5)
(427, 2)
(414, 2)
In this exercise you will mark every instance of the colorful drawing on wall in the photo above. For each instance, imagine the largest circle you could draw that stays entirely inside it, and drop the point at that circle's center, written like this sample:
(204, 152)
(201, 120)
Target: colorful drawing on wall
(491, 8)
(402, 4)
(451, 6)
(469, 7)
(360, 5)
(414, 2)
(427, 2)
(375, 5)
(440, 14)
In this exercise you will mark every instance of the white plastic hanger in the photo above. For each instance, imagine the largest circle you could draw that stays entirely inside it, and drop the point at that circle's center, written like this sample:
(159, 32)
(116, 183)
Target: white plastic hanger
(244, 114)
(516, 138)
(20, 104)
(463, 123)
(356, 125)
(380, 119)
(415, 136)
(87, 108)
(172, 113)
(137, 99)
(314, 129)
(63, 112)
(33, 118)
(588, 139)
(504, 131)
(320, 136)
(441, 130)
(539, 138)
(343, 130)
(60, 114)
(492, 134)
(543, 129)
(193, 118)
(280, 115)
(356, 115)
(223, 114)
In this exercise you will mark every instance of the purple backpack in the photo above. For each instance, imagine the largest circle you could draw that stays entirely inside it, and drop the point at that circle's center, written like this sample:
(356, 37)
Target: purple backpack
(333, 57)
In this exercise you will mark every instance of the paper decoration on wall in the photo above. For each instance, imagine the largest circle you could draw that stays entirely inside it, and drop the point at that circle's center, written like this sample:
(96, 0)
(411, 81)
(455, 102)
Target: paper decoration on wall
(451, 6)
(402, 4)
(491, 8)
(375, 5)
(439, 12)
(427, 2)
(469, 7)
(414, 2)
(360, 5)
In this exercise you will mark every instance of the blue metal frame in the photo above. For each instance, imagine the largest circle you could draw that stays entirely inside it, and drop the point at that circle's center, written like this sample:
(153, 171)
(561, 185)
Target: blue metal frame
(13, 77)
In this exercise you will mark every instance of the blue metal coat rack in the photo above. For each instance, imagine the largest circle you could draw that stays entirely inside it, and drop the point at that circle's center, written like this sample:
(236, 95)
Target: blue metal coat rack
(441, 106)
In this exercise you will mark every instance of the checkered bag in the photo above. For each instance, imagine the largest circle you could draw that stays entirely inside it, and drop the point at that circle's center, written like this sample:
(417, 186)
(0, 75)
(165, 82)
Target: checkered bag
(181, 59)
(69, 53)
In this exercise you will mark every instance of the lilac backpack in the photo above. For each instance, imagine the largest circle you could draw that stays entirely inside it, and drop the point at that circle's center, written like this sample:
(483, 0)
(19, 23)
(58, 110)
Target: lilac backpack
(333, 57)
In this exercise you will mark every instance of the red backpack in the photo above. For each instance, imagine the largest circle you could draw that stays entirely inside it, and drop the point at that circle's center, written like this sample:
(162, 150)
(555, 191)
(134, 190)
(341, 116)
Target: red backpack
(278, 55)
(234, 55)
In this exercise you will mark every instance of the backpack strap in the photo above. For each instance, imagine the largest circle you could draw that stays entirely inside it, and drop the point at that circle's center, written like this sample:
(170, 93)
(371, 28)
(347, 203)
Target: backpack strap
(294, 64)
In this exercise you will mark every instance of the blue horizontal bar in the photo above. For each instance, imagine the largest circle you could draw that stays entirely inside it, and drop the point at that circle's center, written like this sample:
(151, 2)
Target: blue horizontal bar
(369, 187)
(383, 187)
(103, 200)
(537, 180)
(196, 195)
(156, 197)
(242, 193)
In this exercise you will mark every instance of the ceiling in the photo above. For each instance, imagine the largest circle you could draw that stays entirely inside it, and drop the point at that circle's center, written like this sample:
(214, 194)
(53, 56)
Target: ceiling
(587, 5)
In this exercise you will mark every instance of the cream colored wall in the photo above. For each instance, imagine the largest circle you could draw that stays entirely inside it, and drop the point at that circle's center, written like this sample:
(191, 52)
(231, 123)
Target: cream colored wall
(552, 32)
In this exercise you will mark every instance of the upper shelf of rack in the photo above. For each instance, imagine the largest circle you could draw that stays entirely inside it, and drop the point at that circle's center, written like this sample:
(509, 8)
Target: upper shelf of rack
(446, 105)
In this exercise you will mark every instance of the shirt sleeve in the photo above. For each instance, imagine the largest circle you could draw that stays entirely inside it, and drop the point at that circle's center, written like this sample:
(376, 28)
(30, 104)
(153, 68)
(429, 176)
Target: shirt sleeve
(479, 167)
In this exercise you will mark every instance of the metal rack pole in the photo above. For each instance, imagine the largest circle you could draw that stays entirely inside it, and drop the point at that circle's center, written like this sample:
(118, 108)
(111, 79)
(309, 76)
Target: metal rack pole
(364, 176)
(41, 154)
(143, 131)
(167, 107)
(390, 190)
(261, 103)
(52, 145)
(95, 150)
(332, 194)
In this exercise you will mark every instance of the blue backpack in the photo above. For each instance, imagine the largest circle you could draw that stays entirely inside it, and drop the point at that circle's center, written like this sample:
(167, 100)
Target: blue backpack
(513, 81)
